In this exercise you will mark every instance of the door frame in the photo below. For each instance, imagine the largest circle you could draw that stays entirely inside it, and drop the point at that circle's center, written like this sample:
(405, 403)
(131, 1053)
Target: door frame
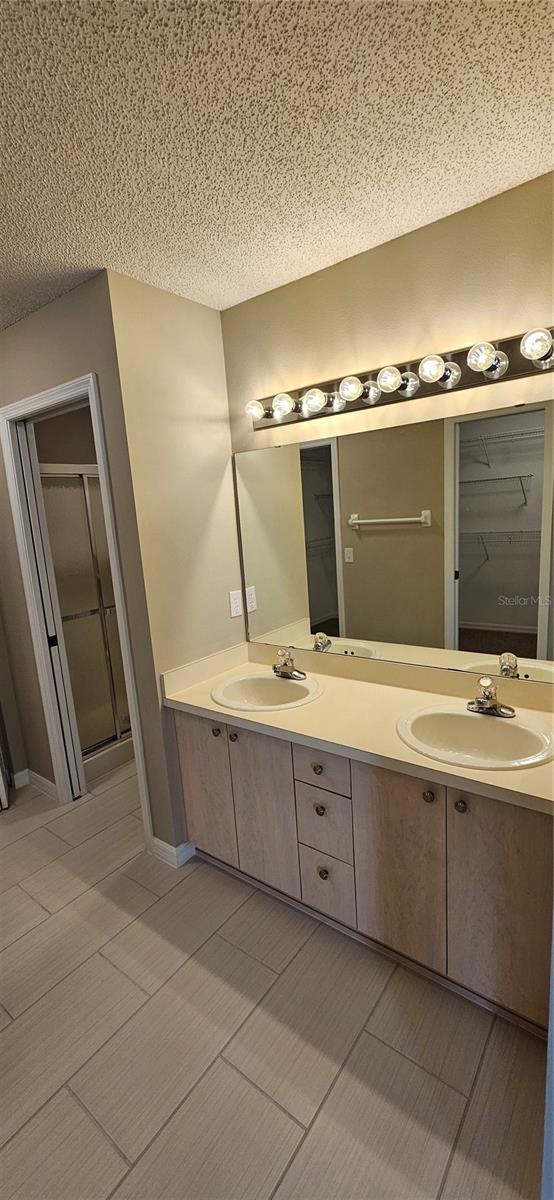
(76, 391)
(451, 519)
(332, 442)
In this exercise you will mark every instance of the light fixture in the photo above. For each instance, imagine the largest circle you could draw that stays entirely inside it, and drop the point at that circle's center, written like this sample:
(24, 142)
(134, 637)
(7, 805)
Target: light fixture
(372, 392)
(409, 384)
(538, 346)
(451, 377)
(483, 357)
(389, 379)
(351, 388)
(313, 401)
(338, 403)
(255, 409)
(431, 368)
(282, 405)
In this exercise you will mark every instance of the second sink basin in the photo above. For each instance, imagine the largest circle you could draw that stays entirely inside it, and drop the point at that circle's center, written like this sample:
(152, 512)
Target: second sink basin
(265, 693)
(454, 735)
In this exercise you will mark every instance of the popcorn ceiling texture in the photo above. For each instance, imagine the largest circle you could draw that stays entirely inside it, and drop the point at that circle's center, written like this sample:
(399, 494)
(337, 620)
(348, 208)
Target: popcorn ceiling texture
(220, 148)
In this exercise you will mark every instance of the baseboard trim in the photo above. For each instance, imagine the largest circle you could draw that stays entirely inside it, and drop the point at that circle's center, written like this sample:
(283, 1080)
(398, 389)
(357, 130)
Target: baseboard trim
(21, 779)
(173, 856)
(43, 785)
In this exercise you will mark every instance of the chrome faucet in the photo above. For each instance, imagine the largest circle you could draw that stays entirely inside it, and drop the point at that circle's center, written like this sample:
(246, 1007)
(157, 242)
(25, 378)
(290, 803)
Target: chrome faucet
(508, 666)
(285, 667)
(487, 701)
(322, 642)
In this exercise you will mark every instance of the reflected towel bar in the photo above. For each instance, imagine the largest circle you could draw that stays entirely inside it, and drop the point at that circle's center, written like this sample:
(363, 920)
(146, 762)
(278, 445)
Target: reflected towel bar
(424, 518)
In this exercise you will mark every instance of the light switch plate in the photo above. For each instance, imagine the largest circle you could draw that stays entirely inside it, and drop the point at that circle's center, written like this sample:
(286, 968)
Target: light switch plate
(235, 604)
(251, 604)
(349, 554)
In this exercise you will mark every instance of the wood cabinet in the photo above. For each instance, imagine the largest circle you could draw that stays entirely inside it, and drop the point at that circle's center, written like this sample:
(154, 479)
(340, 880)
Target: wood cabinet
(207, 792)
(400, 857)
(328, 885)
(500, 901)
(263, 789)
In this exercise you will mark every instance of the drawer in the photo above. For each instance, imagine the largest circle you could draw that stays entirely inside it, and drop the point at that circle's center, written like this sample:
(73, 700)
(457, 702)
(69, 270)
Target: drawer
(324, 821)
(328, 771)
(328, 885)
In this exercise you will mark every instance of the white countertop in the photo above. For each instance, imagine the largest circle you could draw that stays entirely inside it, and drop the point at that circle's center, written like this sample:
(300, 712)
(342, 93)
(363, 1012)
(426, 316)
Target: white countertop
(358, 720)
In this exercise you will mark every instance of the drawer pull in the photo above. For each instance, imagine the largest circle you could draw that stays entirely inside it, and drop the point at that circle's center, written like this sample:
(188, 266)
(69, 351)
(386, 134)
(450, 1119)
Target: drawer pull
(428, 796)
(216, 732)
(233, 737)
(320, 809)
(460, 805)
(323, 872)
(317, 768)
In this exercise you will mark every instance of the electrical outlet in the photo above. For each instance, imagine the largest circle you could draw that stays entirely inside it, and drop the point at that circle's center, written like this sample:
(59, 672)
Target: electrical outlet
(251, 604)
(235, 604)
(349, 554)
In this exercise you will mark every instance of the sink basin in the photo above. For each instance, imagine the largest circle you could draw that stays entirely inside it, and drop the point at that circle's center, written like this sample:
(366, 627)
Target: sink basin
(265, 693)
(529, 668)
(467, 739)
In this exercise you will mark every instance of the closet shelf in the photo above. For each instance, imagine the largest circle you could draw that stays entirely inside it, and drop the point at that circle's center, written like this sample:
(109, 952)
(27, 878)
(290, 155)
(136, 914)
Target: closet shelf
(501, 479)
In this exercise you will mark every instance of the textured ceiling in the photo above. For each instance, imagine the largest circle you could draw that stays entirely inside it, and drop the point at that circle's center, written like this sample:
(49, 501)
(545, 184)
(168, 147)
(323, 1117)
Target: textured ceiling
(219, 148)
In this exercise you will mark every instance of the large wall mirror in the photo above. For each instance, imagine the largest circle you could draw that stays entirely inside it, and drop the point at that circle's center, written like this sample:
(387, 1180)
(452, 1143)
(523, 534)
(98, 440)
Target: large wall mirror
(428, 543)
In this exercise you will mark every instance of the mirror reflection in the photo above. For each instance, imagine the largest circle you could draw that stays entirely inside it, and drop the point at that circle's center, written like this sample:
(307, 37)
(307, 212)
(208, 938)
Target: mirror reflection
(427, 543)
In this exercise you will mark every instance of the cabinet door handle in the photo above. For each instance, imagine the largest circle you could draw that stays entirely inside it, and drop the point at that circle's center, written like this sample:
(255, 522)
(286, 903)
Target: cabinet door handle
(317, 768)
(460, 805)
(320, 809)
(428, 796)
(323, 872)
(216, 732)
(233, 737)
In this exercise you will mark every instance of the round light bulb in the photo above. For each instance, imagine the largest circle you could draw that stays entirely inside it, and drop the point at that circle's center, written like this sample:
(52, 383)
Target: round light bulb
(389, 379)
(499, 367)
(338, 403)
(409, 384)
(431, 368)
(481, 356)
(372, 392)
(451, 377)
(314, 400)
(536, 344)
(283, 405)
(255, 409)
(544, 364)
(350, 388)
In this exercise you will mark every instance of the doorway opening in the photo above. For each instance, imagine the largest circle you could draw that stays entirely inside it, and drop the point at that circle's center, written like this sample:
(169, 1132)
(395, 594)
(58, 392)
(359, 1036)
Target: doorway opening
(320, 501)
(60, 494)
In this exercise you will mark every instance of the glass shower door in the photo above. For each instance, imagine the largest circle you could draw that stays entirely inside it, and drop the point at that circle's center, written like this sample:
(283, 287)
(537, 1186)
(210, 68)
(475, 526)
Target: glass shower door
(77, 537)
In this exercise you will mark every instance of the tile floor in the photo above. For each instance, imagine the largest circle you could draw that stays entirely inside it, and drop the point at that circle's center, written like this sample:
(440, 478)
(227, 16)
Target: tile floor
(178, 1035)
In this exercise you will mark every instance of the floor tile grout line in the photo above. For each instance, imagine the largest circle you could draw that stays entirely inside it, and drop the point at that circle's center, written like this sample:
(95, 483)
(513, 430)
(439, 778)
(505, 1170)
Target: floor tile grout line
(334, 1080)
(464, 1115)
(100, 1127)
(263, 963)
(415, 1063)
(64, 811)
(257, 1088)
(119, 867)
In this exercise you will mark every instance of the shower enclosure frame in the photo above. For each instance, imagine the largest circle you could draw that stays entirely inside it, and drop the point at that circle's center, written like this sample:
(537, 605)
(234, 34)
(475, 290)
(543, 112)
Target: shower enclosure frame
(60, 728)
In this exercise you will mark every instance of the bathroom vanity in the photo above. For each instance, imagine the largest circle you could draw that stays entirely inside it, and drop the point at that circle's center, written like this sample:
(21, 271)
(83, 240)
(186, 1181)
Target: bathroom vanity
(454, 875)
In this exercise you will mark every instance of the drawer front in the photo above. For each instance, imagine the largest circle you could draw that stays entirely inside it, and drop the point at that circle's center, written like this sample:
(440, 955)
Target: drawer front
(328, 885)
(328, 771)
(324, 821)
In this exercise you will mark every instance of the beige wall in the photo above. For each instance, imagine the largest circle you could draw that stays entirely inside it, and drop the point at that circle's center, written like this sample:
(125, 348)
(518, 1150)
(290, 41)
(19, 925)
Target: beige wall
(62, 341)
(269, 487)
(485, 272)
(394, 588)
(174, 395)
(67, 438)
(10, 712)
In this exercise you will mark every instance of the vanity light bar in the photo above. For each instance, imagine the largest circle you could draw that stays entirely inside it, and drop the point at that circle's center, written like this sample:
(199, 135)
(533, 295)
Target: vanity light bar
(484, 362)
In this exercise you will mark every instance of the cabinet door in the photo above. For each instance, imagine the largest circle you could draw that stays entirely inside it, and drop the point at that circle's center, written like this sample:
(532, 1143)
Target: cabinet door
(500, 901)
(263, 789)
(400, 857)
(207, 792)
